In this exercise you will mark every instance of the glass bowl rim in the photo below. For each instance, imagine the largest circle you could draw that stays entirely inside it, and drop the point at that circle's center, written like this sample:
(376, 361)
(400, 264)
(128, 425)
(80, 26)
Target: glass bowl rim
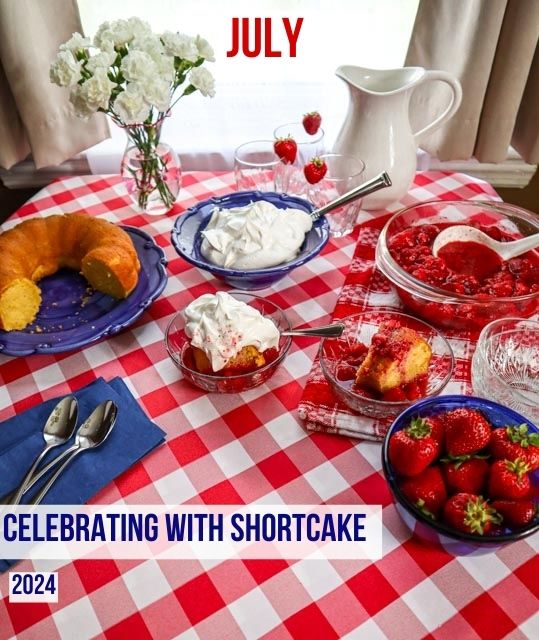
(247, 163)
(391, 404)
(440, 527)
(407, 281)
(481, 341)
(242, 376)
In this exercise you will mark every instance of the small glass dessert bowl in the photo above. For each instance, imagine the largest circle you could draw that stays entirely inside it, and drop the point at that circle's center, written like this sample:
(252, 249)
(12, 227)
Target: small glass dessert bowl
(505, 365)
(342, 358)
(182, 353)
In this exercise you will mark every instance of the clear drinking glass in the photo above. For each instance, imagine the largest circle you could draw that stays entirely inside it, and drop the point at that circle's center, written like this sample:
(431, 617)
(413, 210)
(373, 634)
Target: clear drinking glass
(289, 177)
(254, 166)
(344, 173)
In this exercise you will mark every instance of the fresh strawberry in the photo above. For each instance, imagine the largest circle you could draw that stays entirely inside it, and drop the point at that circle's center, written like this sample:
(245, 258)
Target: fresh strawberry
(510, 443)
(286, 149)
(311, 122)
(509, 479)
(516, 513)
(426, 491)
(315, 170)
(412, 449)
(466, 431)
(465, 474)
(470, 513)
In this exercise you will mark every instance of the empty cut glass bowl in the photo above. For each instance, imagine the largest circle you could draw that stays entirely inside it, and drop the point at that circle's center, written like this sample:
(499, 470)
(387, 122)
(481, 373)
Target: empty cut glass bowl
(179, 349)
(437, 532)
(505, 365)
(187, 238)
(360, 328)
(447, 308)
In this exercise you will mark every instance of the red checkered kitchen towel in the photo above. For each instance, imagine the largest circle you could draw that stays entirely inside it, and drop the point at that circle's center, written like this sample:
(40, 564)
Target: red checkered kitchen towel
(365, 289)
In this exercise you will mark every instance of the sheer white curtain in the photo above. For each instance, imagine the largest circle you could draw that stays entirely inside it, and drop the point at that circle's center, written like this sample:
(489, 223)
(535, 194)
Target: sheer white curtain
(491, 47)
(36, 116)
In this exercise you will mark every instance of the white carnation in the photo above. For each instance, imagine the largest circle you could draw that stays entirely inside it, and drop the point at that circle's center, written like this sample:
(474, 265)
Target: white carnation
(93, 94)
(75, 43)
(65, 70)
(202, 80)
(205, 50)
(150, 44)
(130, 105)
(83, 109)
(113, 34)
(138, 28)
(180, 45)
(101, 60)
(157, 93)
(138, 66)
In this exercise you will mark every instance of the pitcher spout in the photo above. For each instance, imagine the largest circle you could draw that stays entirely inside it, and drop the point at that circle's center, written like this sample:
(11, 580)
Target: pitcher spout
(380, 81)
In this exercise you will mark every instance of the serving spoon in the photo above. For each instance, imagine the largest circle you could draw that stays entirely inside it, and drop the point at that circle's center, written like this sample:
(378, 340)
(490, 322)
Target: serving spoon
(91, 434)
(464, 233)
(58, 430)
(381, 181)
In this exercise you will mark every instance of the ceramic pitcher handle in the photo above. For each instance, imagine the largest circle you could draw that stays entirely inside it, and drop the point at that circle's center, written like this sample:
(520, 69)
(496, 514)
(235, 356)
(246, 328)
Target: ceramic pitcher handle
(453, 105)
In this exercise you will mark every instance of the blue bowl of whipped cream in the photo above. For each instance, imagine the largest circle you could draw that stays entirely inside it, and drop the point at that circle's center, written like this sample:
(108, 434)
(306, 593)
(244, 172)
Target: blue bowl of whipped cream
(250, 239)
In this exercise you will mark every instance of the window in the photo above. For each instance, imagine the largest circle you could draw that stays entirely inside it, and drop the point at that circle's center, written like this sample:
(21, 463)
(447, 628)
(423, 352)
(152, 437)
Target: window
(255, 95)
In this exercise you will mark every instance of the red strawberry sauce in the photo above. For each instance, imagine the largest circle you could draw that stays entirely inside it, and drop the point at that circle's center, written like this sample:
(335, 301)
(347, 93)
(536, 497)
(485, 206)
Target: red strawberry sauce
(470, 258)
(483, 281)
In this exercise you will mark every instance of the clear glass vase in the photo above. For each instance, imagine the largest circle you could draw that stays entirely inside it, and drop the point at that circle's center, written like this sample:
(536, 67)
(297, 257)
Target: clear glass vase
(151, 170)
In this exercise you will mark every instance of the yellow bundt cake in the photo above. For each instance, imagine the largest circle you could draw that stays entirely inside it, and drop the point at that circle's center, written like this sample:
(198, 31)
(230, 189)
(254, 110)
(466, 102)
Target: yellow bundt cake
(100, 250)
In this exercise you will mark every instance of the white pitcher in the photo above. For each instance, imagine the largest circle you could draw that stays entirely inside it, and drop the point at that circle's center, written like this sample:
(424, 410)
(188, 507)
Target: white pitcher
(377, 127)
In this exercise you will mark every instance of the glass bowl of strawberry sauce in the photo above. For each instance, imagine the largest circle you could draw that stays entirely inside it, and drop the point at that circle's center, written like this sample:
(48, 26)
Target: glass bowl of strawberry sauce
(433, 290)
(229, 380)
(341, 357)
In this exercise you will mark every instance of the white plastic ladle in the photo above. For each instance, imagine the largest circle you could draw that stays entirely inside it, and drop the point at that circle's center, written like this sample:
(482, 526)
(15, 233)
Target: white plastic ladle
(464, 233)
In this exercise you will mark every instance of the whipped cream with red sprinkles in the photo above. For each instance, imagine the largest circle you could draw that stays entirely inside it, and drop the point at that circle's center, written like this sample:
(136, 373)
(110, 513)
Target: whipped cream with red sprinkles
(221, 326)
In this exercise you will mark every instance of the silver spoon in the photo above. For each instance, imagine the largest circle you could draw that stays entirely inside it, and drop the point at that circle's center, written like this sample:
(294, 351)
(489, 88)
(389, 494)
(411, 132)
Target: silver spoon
(464, 233)
(92, 433)
(381, 181)
(58, 429)
(334, 330)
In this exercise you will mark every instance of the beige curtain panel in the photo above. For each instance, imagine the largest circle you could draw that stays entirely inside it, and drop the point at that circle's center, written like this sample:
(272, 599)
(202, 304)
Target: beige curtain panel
(35, 115)
(491, 47)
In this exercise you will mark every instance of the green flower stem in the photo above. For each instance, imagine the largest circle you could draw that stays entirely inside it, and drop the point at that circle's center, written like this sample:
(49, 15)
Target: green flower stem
(150, 177)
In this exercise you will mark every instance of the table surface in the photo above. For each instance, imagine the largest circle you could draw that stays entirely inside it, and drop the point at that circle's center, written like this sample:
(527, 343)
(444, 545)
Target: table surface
(251, 448)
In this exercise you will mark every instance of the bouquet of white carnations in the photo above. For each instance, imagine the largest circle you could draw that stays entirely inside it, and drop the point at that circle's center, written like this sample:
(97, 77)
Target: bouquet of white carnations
(132, 74)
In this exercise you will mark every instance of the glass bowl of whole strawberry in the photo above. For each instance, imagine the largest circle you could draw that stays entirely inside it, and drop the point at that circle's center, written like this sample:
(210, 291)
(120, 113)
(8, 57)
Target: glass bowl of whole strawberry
(464, 473)
(187, 238)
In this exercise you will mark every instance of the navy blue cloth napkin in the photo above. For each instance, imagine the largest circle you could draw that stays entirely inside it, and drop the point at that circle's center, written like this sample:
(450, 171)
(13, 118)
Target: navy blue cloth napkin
(133, 436)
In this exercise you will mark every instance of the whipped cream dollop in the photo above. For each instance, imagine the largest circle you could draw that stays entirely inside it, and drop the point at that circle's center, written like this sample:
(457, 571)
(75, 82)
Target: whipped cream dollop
(220, 325)
(255, 236)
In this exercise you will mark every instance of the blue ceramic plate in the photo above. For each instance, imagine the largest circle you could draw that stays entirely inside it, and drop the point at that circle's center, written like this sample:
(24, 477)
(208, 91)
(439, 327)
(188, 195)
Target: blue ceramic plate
(186, 238)
(72, 315)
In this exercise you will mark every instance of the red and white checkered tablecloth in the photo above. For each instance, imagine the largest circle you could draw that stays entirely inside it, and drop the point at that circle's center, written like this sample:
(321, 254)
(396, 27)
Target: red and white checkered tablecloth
(251, 448)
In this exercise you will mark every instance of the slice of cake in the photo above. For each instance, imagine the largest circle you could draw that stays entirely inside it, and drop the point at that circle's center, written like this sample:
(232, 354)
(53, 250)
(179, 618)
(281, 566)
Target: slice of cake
(397, 356)
(227, 336)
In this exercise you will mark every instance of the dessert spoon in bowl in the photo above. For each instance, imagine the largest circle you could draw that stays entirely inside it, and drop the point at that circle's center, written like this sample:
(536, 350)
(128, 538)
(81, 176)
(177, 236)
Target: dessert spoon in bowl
(334, 330)
(381, 181)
